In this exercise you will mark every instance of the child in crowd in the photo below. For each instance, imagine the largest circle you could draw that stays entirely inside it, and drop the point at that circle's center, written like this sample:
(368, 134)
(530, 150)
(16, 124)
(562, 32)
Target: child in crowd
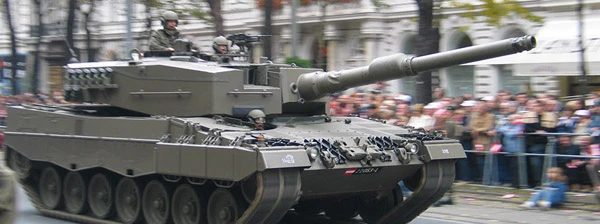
(553, 194)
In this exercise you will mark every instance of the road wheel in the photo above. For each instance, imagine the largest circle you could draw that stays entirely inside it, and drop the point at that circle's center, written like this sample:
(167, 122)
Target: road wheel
(223, 207)
(50, 188)
(100, 196)
(155, 203)
(74, 191)
(187, 206)
(128, 201)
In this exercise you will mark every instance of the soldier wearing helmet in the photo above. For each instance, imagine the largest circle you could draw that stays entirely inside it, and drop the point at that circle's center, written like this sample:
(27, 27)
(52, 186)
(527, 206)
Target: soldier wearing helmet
(257, 117)
(220, 45)
(163, 39)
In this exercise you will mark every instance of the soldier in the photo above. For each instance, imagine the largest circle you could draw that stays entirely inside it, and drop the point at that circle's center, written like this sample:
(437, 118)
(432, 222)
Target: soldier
(163, 39)
(220, 45)
(257, 117)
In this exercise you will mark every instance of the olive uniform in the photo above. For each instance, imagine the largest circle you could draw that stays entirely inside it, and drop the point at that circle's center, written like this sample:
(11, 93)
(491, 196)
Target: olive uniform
(164, 38)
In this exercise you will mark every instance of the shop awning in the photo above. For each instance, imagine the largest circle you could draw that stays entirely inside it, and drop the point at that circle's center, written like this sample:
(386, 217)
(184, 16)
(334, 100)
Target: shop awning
(557, 51)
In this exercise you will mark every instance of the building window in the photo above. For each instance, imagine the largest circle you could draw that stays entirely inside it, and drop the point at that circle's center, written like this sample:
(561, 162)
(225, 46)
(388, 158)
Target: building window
(514, 84)
(460, 80)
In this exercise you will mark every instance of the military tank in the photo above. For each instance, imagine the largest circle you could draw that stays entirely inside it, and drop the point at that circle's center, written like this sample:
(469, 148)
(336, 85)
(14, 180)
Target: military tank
(166, 138)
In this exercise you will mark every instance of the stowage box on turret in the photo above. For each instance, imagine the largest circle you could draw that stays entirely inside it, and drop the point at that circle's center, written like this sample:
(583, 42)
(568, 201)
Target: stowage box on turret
(173, 138)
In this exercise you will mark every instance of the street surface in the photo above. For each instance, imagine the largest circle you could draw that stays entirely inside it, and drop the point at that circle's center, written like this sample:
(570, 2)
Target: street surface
(465, 210)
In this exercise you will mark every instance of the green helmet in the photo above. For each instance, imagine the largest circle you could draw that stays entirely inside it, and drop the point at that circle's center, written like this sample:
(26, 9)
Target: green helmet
(257, 117)
(220, 40)
(167, 16)
(255, 114)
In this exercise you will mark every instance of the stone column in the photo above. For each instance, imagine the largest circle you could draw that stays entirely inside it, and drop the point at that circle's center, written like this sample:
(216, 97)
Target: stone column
(286, 44)
(371, 33)
(332, 37)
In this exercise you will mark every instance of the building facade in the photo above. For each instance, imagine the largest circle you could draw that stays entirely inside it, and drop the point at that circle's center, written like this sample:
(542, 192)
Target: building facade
(355, 32)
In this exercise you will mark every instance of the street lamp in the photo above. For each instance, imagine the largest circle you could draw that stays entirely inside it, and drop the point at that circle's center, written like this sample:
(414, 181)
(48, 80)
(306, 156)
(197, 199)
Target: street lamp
(85, 9)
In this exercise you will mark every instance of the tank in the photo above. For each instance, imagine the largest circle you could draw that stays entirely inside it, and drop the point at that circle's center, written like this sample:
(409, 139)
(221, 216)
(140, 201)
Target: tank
(167, 138)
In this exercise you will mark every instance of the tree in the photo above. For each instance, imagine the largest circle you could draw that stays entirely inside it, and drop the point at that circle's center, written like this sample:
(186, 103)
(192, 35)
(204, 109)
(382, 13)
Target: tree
(428, 41)
(267, 28)
(90, 5)
(215, 12)
(149, 6)
(70, 27)
(13, 48)
(37, 58)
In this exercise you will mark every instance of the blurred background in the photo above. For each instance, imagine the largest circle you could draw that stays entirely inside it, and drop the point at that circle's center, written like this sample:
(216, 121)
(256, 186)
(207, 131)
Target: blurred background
(36, 35)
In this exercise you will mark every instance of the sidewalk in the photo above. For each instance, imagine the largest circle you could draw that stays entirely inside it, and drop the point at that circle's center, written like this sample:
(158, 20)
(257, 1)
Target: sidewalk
(575, 200)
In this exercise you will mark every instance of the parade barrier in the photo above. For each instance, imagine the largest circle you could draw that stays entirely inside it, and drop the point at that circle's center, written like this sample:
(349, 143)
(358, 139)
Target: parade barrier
(490, 170)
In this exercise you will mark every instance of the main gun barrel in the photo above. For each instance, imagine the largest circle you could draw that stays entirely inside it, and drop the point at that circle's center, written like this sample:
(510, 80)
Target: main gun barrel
(318, 84)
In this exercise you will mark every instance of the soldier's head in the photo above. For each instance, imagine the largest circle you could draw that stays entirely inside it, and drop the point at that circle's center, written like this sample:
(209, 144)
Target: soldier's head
(257, 117)
(220, 45)
(169, 20)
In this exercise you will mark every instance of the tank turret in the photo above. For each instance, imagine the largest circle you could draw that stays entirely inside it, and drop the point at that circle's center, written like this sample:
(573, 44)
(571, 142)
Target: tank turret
(183, 85)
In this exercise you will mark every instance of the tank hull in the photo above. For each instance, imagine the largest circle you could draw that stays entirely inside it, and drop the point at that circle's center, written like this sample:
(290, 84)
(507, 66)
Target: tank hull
(176, 151)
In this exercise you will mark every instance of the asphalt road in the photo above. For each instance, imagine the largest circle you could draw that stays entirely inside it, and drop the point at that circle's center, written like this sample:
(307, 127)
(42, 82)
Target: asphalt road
(465, 210)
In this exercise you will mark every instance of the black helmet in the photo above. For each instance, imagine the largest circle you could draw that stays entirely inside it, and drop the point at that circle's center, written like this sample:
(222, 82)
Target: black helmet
(168, 15)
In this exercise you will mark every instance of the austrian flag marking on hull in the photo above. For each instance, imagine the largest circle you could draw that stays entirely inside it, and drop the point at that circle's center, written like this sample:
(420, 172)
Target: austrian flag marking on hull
(349, 172)
(355, 171)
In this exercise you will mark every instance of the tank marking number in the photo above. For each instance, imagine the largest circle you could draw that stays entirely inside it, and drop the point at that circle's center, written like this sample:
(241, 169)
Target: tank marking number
(446, 151)
(355, 171)
(288, 159)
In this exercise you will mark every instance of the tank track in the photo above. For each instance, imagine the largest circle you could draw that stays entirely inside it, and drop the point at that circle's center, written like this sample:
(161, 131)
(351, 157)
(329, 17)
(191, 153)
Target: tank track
(436, 179)
(276, 192)
(279, 189)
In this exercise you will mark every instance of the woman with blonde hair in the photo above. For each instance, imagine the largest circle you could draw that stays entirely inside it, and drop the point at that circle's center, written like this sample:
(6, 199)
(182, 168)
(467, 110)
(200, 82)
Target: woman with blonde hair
(419, 119)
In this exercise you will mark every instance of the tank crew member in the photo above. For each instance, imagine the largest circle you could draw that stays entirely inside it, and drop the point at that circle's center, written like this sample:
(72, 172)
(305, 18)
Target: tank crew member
(163, 39)
(220, 45)
(257, 117)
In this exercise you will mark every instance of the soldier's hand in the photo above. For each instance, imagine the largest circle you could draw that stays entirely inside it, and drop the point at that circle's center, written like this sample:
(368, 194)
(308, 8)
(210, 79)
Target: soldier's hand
(170, 49)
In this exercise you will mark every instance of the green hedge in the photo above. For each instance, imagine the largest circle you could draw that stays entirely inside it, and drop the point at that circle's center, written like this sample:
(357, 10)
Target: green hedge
(299, 62)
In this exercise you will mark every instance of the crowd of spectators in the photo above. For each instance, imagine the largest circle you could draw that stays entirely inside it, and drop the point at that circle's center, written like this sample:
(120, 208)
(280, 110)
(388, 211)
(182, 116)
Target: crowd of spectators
(516, 122)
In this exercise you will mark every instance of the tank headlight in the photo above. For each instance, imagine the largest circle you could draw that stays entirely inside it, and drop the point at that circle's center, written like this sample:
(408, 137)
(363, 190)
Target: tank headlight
(312, 153)
(412, 148)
